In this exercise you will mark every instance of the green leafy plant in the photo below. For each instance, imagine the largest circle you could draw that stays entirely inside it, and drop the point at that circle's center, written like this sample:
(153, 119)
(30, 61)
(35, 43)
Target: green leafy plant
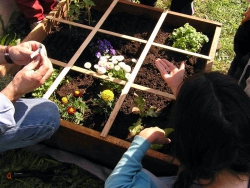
(40, 91)
(76, 6)
(140, 108)
(187, 38)
(105, 103)
(8, 37)
(167, 133)
(72, 107)
(135, 129)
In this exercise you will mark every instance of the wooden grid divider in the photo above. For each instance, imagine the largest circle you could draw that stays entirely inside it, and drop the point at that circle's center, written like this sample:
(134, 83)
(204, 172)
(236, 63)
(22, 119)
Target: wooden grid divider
(136, 69)
(115, 80)
(131, 38)
(78, 52)
(129, 83)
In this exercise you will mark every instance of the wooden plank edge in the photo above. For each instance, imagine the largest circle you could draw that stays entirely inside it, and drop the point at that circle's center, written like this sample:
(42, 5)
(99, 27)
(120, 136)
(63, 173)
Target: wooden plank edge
(115, 141)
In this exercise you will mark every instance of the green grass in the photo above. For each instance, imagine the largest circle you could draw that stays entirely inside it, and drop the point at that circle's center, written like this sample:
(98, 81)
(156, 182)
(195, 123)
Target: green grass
(227, 12)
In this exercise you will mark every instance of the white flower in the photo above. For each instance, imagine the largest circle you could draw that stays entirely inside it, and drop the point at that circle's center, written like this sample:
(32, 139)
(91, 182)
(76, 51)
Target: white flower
(114, 61)
(96, 66)
(110, 65)
(133, 60)
(117, 67)
(110, 74)
(120, 57)
(101, 70)
(127, 75)
(121, 64)
(102, 63)
(103, 58)
(87, 65)
(127, 68)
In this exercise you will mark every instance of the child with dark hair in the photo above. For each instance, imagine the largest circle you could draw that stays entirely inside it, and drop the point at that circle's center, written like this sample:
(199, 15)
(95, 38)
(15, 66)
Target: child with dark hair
(35, 10)
(211, 121)
(239, 68)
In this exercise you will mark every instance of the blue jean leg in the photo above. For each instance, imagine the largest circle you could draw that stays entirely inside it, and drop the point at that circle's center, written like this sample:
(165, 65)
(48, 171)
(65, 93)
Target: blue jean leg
(36, 120)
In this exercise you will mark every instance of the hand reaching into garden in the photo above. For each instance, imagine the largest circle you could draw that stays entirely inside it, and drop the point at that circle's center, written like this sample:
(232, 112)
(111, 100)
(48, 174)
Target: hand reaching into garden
(31, 76)
(154, 135)
(20, 54)
(171, 74)
(247, 16)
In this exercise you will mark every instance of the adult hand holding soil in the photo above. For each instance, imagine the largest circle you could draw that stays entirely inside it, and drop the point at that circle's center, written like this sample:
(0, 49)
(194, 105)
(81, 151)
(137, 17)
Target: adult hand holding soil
(171, 74)
(30, 77)
(155, 135)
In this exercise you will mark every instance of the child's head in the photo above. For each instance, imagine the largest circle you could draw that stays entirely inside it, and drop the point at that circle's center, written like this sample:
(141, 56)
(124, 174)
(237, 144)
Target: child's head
(212, 127)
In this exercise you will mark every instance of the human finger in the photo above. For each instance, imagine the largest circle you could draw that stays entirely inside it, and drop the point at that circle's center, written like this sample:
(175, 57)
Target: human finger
(45, 68)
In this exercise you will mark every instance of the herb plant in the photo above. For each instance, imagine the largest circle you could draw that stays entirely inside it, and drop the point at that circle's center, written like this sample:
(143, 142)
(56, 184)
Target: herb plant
(135, 129)
(187, 38)
(140, 107)
(75, 7)
(72, 107)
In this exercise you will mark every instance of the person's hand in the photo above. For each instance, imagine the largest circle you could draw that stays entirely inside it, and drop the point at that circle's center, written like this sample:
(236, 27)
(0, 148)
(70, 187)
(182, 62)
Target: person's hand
(247, 16)
(154, 135)
(171, 74)
(20, 54)
(29, 77)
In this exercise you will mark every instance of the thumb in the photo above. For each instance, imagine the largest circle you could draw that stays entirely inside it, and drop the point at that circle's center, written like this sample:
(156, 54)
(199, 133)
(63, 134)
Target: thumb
(33, 64)
(182, 66)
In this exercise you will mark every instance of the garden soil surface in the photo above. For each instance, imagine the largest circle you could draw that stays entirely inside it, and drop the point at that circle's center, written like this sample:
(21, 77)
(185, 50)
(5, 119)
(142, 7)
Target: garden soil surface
(64, 41)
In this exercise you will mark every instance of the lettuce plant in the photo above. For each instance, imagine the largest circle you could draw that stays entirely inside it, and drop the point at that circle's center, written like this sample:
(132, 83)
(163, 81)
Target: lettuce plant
(187, 38)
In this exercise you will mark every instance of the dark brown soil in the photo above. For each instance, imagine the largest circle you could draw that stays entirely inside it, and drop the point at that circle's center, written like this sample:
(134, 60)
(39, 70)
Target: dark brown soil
(64, 42)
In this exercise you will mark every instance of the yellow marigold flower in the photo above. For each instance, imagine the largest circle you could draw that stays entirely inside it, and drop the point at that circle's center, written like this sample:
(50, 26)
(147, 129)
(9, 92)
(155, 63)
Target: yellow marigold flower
(65, 100)
(107, 95)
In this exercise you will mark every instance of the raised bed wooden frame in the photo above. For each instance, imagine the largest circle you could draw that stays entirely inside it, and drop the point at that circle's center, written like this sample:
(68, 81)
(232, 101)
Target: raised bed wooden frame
(100, 147)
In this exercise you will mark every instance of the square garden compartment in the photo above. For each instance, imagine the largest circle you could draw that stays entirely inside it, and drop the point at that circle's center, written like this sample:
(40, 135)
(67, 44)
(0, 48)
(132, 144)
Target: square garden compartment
(99, 146)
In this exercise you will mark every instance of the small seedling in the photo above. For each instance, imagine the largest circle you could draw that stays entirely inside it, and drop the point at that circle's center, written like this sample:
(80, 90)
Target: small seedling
(140, 108)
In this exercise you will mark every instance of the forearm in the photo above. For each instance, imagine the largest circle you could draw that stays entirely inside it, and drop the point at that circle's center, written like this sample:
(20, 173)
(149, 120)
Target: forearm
(10, 93)
(127, 169)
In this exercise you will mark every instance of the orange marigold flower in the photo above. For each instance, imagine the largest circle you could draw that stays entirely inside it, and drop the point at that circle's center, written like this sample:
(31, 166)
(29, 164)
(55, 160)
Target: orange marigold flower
(65, 100)
(71, 110)
(77, 93)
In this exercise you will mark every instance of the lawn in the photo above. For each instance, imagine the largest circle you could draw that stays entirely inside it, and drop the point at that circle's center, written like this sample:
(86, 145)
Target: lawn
(227, 12)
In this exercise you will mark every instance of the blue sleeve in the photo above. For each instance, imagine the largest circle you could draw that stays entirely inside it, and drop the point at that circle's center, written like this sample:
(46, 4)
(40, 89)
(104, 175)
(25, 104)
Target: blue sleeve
(7, 111)
(127, 172)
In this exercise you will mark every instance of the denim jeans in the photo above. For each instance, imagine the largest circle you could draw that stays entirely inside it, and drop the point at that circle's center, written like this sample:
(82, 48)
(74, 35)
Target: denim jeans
(36, 120)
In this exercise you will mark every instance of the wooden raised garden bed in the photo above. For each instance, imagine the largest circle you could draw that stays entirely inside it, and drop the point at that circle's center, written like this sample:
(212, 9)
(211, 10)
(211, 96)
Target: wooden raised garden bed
(100, 146)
